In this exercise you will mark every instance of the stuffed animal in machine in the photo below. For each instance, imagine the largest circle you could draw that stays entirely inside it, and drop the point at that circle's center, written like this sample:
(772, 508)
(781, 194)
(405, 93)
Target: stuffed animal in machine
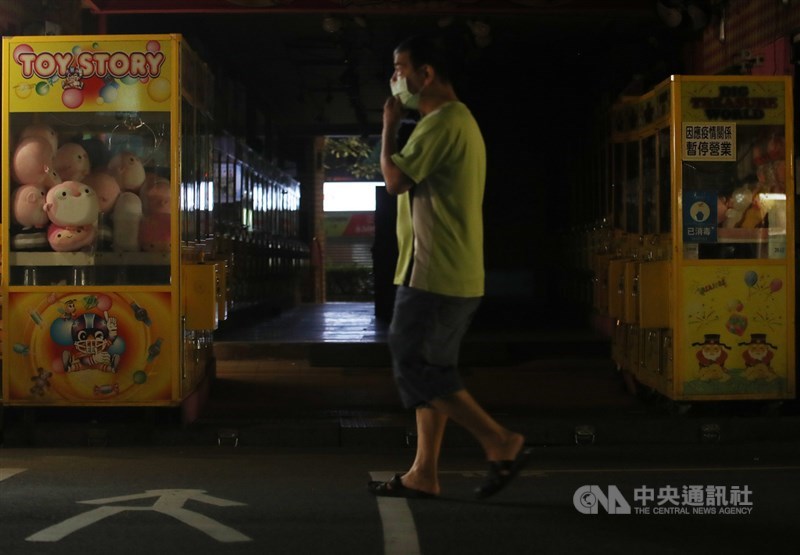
(155, 195)
(28, 212)
(72, 162)
(107, 190)
(154, 232)
(33, 162)
(69, 239)
(128, 170)
(72, 209)
(72, 204)
(28, 206)
(41, 131)
(127, 219)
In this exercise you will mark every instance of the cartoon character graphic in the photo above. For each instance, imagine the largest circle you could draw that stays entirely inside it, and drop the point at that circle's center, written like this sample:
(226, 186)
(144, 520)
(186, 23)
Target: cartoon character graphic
(69, 310)
(41, 382)
(73, 78)
(92, 336)
(758, 358)
(711, 358)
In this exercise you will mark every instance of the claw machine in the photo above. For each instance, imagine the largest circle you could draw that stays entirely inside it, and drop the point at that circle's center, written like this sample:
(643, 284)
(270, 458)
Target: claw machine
(107, 299)
(707, 191)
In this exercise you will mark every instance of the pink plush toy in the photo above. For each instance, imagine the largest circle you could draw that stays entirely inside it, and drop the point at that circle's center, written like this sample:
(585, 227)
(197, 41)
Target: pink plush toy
(128, 170)
(28, 206)
(67, 239)
(155, 195)
(154, 232)
(41, 131)
(72, 204)
(51, 179)
(33, 161)
(127, 218)
(72, 162)
(105, 187)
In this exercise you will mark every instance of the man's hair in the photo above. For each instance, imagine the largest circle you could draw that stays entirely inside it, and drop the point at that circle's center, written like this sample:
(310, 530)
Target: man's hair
(426, 51)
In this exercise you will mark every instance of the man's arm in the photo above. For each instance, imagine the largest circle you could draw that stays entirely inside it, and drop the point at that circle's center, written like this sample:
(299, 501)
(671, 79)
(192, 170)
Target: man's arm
(396, 181)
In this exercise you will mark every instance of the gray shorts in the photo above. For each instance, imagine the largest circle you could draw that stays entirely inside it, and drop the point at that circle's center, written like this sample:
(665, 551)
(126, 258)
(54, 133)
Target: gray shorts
(425, 339)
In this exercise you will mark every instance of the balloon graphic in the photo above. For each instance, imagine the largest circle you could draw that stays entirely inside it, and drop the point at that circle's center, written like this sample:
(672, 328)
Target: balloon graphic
(24, 90)
(750, 278)
(72, 98)
(139, 377)
(103, 302)
(108, 93)
(42, 88)
(153, 46)
(61, 331)
(775, 285)
(159, 89)
(22, 49)
(735, 305)
(736, 324)
(117, 347)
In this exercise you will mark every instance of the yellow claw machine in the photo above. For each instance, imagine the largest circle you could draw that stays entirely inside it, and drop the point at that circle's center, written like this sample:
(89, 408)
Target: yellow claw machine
(701, 283)
(105, 214)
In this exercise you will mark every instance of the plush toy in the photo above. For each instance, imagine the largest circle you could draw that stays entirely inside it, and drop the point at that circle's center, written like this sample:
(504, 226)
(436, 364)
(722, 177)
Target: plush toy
(28, 206)
(154, 232)
(28, 212)
(128, 170)
(127, 219)
(155, 195)
(72, 204)
(41, 131)
(107, 190)
(72, 162)
(68, 239)
(51, 179)
(33, 161)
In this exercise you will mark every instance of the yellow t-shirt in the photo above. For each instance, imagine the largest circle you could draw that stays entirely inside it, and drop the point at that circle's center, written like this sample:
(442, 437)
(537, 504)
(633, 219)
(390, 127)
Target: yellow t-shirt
(440, 221)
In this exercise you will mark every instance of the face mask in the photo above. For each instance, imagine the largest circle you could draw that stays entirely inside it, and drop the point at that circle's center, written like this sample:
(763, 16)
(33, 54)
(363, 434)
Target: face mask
(400, 90)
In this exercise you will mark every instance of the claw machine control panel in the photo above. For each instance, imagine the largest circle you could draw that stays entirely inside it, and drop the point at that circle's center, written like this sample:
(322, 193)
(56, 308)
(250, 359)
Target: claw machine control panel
(102, 156)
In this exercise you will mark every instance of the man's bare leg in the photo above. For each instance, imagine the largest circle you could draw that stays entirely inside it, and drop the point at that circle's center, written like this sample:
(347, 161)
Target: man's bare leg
(424, 472)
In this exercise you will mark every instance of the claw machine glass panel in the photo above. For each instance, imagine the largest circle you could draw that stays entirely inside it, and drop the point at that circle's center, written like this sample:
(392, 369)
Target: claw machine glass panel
(91, 186)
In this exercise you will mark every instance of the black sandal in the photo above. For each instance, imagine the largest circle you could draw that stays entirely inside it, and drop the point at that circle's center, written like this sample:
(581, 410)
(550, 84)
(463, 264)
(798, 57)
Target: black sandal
(501, 473)
(395, 488)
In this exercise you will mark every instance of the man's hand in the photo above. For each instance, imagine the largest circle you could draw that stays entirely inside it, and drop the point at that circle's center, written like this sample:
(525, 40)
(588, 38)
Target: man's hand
(392, 113)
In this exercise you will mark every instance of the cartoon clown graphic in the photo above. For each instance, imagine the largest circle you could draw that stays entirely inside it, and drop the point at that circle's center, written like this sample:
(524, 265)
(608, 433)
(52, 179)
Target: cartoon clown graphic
(92, 336)
(758, 358)
(711, 358)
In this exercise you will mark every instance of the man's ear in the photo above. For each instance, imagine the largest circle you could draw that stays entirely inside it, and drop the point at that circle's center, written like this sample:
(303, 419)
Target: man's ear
(429, 73)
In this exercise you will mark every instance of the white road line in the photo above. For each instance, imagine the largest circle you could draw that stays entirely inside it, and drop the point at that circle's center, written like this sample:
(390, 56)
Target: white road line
(399, 530)
(6, 473)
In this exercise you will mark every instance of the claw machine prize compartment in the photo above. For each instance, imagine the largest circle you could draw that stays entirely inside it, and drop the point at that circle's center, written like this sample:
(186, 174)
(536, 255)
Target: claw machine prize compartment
(96, 199)
(711, 296)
